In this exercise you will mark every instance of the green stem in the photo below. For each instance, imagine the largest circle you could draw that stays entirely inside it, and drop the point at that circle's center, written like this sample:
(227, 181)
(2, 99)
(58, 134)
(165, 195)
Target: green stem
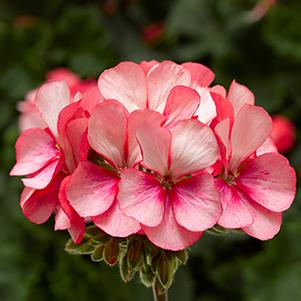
(158, 297)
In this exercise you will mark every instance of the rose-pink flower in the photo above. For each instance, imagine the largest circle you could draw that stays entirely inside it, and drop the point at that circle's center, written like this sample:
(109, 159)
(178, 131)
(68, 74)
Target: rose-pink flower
(177, 200)
(256, 185)
(54, 153)
(93, 189)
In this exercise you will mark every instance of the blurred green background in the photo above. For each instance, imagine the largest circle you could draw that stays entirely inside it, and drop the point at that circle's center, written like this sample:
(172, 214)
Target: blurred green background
(89, 36)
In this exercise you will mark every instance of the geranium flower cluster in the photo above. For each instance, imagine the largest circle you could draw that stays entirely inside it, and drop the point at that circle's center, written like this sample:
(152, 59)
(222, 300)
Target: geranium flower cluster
(154, 149)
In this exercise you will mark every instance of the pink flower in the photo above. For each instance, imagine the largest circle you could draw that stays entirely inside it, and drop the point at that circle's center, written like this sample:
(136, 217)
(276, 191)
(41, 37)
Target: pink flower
(283, 133)
(92, 190)
(152, 149)
(255, 188)
(45, 156)
(176, 201)
(30, 116)
(149, 84)
(60, 74)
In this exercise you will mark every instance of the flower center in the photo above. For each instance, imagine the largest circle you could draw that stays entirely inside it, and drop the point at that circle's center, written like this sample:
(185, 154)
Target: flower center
(230, 179)
(58, 147)
(166, 182)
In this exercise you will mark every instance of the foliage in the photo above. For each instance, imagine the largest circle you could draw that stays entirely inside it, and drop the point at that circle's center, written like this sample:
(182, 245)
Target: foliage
(88, 36)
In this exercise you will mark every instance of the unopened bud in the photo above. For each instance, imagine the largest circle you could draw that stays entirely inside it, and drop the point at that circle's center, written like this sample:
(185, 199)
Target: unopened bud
(97, 255)
(111, 252)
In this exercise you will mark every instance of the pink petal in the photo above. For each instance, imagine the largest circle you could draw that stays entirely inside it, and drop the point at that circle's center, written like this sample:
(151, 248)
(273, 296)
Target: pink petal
(126, 83)
(148, 65)
(222, 130)
(60, 73)
(84, 86)
(266, 223)
(270, 181)
(239, 95)
(35, 148)
(252, 126)
(169, 235)
(107, 132)
(76, 228)
(115, 223)
(38, 205)
(193, 148)
(90, 99)
(50, 100)
(224, 109)
(75, 129)
(69, 114)
(142, 197)
(182, 102)
(135, 120)
(91, 190)
(267, 147)
(200, 74)
(236, 213)
(43, 177)
(62, 221)
(218, 89)
(207, 110)
(161, 79)
(196, 203)
(31, 119)
(155, 143)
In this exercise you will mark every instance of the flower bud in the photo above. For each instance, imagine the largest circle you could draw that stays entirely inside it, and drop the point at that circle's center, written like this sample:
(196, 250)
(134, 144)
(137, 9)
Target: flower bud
(111, 252)
(126, 272)
(97, 255)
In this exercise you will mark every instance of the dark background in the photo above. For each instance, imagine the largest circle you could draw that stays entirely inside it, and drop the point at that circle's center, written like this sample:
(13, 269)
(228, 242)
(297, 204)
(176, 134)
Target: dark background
(89, 36)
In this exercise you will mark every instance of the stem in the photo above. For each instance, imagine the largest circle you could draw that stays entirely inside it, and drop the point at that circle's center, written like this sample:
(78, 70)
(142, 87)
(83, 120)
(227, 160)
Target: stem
(157, 297)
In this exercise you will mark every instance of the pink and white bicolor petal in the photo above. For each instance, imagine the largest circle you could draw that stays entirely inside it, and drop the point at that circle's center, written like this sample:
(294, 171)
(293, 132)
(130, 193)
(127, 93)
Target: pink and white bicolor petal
(43, 177)
(169, 235)
(251, 127)
(182, 103)
(91, 189)
(266, 223)
(148, 65)
(126, 83)
(267, 147)
(74, 131)
(193, 148)
(116, 223)
(107, 132)
(200, 74)
(236, 212)
(62, 221)
(142, 197)
(240, 95)
(38, 205)
(161, 79)
(135, 120)
(270, 181)
(206, 111)
(35, 148)
(51, 98)
(196, 202)
(155, 143)
(222, 130)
